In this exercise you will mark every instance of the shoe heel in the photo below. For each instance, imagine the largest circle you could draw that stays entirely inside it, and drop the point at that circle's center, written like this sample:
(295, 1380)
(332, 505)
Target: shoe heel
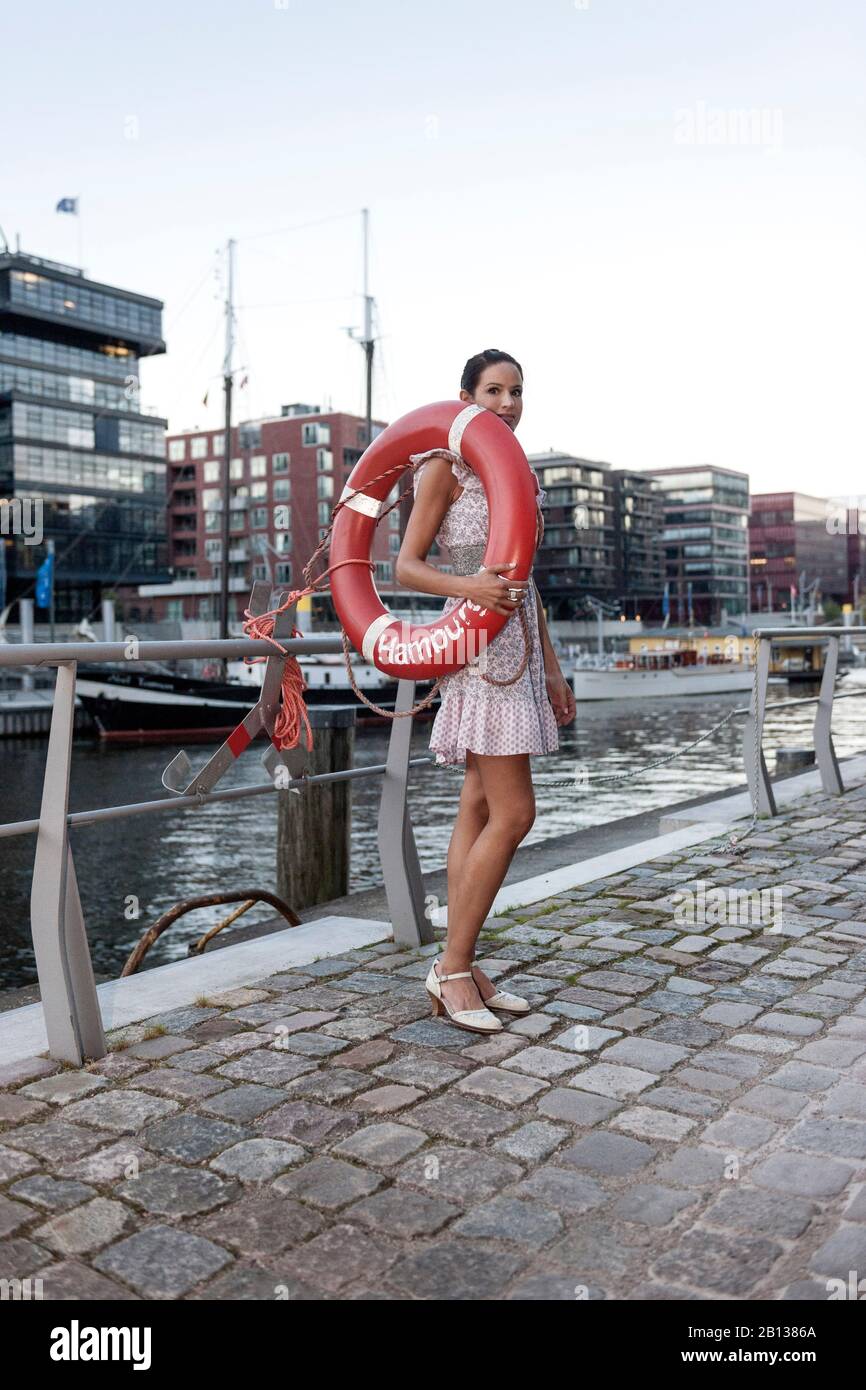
(438, 1006)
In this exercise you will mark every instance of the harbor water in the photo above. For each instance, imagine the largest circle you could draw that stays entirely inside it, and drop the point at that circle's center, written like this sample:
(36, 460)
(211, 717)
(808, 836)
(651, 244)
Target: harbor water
(130, 871)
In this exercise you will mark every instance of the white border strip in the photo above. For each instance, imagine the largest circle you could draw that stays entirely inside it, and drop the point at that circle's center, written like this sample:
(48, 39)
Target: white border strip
(458, 426)
(361, 502)
(178, 985)
(533, 890)
(374, 632)
(738, 806)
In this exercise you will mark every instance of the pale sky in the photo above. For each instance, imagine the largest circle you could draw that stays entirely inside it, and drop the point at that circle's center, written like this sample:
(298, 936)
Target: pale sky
(569, 182)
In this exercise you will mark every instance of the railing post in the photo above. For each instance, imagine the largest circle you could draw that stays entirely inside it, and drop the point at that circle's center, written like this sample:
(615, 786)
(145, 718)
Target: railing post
(760, 788)
(822, 736)
(67, 988)
(404, 887)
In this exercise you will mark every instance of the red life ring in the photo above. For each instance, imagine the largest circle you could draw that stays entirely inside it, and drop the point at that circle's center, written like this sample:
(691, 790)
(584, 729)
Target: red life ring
(427, 651)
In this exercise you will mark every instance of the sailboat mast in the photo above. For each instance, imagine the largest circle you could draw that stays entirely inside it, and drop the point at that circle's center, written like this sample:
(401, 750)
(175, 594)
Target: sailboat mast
(368, 324)
(227, 441)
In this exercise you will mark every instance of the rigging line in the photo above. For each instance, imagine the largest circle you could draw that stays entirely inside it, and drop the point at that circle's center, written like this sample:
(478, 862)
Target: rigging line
(288, 303)
(299, 226)
(193, 370)
(179, 313)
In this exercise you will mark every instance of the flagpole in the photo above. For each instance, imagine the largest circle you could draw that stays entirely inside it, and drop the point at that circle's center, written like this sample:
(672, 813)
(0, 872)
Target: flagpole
(51, 592)
(226, 480)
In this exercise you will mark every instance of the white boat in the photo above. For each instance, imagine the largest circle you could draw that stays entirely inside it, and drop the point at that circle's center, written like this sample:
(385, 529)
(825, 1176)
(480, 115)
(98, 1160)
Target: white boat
(643, 683)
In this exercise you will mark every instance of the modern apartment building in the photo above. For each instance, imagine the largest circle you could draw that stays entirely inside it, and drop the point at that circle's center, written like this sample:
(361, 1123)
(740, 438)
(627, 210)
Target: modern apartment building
(637, 517)
(705, 542)
(577, 557)
(792, 543)
(75, 442)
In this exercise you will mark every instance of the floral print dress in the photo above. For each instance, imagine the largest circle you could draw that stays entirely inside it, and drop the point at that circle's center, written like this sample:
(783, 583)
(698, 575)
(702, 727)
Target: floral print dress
(473, 714)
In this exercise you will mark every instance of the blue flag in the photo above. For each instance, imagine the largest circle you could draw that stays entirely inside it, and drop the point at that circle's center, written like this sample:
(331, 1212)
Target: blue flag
(45, 582)
(67, 205)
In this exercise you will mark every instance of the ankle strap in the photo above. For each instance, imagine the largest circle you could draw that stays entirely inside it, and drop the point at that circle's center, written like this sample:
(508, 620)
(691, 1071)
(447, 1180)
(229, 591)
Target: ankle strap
(457, 975)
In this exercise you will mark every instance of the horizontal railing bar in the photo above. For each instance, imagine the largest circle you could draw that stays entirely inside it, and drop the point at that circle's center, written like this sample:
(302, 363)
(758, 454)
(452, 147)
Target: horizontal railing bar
(777, 633)
(805, 700)
(141, 808)
(52, 653)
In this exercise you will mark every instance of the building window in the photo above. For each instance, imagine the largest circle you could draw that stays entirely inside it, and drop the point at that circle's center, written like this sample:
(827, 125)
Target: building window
(212, 521)
(260, 572)
(210, 498)
(280, 463)
(283, 542)
(258, 466)
(250, 436)
(283, 572)
(394, 544)
(177, 450)
(316, 434)
(324, 461)
(219, 445)
(213, 550)
(325, 485)
(394, 520)
(324, 513)
(212, 472)
(259, 518)
(259, 489)
(281, 489)
(198, 447)
(236, 469)
(383, 570)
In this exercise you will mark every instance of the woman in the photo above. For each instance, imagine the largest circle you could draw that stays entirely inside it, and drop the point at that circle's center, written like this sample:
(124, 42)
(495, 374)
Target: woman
(487, 721)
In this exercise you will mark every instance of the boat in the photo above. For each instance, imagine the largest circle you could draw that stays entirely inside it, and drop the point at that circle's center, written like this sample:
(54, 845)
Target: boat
(159, 706)
(662, 674)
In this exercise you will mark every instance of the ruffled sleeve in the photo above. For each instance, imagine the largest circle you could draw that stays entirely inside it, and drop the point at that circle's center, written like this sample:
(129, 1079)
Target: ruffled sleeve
(540, 492)
(462, 472)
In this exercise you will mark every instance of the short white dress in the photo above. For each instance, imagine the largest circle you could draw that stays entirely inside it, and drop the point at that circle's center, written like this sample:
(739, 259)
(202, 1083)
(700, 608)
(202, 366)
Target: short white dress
(473, 714)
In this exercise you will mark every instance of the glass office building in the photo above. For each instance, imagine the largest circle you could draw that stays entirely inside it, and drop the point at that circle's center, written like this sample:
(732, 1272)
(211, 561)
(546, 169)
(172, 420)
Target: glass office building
(76, 447)
(705, 542)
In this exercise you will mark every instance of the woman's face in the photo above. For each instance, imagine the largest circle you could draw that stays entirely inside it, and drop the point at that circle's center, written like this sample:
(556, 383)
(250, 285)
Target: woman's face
(500, 389)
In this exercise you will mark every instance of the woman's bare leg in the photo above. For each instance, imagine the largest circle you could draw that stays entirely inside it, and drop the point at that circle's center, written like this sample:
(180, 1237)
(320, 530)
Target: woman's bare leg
(472, 814)
(480, 866)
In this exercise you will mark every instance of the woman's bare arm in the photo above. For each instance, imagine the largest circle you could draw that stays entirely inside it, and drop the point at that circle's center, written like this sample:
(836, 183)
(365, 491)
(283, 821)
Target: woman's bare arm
(432, 500)
(551, 660)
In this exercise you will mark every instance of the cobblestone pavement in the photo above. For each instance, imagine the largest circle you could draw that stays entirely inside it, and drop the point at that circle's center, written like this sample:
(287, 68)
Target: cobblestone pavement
(681, 1116)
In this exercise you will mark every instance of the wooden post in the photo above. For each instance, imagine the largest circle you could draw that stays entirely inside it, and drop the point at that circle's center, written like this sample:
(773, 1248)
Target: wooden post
(314, 828)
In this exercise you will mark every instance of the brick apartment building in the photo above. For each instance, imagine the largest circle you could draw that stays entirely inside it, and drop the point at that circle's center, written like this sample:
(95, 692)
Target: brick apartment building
(286, 474)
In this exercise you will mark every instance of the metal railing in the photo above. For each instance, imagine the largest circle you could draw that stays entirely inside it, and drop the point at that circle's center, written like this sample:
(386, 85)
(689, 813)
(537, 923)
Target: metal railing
(73, 1020)
(757, 776)
(68, 991)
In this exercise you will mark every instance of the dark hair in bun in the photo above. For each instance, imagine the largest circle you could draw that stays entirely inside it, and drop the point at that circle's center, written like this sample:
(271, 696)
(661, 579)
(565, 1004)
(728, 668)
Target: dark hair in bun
(475, 366)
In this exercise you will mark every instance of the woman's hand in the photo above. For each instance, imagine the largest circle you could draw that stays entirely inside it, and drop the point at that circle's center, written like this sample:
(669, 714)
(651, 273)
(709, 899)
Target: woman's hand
(489, 590)
(561, 695)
